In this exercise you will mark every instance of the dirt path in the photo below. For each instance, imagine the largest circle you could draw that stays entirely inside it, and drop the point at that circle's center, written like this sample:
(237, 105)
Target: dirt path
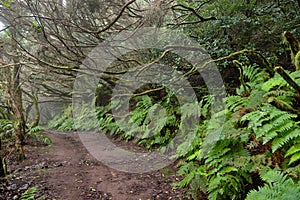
(66, 170)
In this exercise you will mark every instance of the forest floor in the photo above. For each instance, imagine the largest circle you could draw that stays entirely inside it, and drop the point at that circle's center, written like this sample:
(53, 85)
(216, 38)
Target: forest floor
(65, 170)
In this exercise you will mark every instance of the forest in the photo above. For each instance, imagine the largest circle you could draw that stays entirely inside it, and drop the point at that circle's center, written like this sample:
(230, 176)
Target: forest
(171, 99)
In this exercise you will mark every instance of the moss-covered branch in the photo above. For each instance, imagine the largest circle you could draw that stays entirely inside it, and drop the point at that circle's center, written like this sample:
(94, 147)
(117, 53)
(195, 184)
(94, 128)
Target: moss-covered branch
(287, 78)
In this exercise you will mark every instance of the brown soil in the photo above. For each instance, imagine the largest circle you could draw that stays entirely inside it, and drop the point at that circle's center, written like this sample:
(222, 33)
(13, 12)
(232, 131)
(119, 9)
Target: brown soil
(65, 170)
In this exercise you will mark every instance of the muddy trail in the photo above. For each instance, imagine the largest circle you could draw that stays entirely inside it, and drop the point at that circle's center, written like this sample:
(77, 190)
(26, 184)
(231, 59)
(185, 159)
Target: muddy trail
(65, 170)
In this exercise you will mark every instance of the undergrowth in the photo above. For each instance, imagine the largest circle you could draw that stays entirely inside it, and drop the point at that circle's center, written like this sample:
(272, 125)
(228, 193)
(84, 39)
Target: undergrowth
(250, 149)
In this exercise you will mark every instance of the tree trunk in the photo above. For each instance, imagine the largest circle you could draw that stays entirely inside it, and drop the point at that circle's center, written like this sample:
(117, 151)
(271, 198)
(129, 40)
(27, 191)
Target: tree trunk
(36, 107)
(19, 120)
(14, 94)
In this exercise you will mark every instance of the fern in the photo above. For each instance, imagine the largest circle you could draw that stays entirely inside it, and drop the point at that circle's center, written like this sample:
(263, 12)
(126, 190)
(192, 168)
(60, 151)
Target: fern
(226, 180)
(63, 122)
(252, 102)
(190, 147)
(252, 76)
(205, 105)
(106, 121)
(66, 125)
(222, 169)
(156, 123)
(6, 128)
(217, 156)
(286, 96)
(272, 124)
(234, 103)
(278, 187)
(29, 194)
(294, 151)
(86, 119)
(278, 82)
(194, 177)
(39, 137)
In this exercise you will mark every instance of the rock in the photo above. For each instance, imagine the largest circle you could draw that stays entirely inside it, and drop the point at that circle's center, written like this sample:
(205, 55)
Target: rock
(17, 170)
(13, 187)
(59, 165)
(24, 187)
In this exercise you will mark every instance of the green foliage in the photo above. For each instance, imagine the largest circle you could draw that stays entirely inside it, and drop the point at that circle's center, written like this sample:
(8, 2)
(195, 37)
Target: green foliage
(252, 76)
(84, 120)
(272, 124)
(36, 27)
(29, 194)
(223, 156)
(278, 186)
(6, 128)
(160, 120)
(277, 82)
(194, 179)
(152, 123)
(218, 163)
(240, 24)
(6, 3)
(225, 179)
(294, 151)
(64, 122)
(106, 121)
(37, 134)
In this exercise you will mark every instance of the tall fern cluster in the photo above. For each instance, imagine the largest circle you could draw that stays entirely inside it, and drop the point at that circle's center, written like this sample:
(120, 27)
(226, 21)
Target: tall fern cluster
(67, 121)
(261, 131)
(63, 122)
(278, 186)
(152, 123)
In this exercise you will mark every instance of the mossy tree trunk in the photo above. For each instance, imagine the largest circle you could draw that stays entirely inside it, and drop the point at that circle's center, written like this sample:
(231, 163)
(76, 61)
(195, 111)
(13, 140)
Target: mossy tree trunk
(17, 107)
(14, 97)
(14, 94)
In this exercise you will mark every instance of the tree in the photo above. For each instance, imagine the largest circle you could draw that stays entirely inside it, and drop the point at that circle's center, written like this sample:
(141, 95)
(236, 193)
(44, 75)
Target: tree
(13, 94)
(44, 43)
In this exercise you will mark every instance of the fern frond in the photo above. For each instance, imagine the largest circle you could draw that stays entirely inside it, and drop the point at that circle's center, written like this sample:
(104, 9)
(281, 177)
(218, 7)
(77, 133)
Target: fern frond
(255, 119)
(233, 103)
(255, 99)
(274, 176)
(272, 124)
(29, 194)
(294, 151)
(253, 77)
(278, 82)
(254, 74)
(287, 137)
(205, 105)
(283, 95)
(278, 186)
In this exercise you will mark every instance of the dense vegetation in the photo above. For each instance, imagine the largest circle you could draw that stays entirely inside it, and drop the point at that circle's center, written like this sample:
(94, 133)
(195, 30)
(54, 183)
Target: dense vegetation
(247, 148)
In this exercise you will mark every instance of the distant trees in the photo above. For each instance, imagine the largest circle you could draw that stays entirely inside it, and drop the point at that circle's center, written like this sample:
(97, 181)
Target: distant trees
(55, 37)
(45, 42)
